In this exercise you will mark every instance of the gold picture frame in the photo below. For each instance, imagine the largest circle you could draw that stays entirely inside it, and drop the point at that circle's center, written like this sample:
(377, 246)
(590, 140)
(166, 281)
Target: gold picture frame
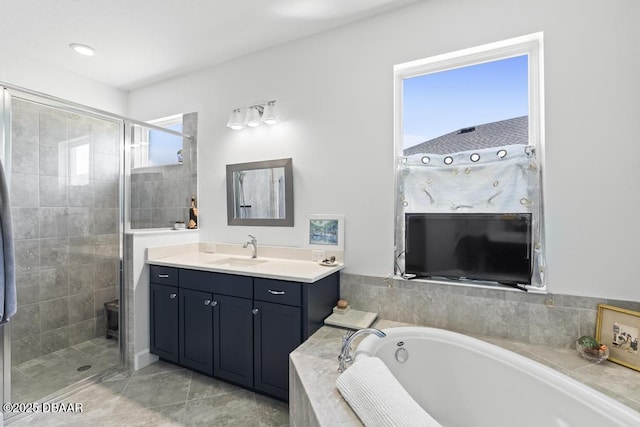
(618, 329)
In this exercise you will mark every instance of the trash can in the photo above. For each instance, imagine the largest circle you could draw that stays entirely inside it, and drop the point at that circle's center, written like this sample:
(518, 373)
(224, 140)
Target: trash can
(111, 314)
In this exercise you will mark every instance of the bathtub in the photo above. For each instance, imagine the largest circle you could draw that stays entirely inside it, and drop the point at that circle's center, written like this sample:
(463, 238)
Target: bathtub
(463, 381)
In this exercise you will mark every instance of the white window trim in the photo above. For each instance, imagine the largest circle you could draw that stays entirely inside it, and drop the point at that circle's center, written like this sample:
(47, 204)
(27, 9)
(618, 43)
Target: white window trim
(531, 45)
(140, 151)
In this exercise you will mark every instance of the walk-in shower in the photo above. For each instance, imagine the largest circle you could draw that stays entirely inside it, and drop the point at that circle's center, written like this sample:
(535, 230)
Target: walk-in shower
(64, 168)
(65, 164)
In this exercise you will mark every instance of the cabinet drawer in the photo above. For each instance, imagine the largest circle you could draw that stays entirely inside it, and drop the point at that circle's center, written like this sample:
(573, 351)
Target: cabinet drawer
(163, 275)
(217, 283)
(277, 291)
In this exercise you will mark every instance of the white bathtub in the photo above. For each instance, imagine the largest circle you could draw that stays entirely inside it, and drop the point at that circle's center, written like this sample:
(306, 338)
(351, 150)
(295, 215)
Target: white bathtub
(462, 381)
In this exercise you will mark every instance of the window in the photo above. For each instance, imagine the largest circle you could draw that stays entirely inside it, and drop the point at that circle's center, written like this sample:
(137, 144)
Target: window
(469, 138)
(153, 147)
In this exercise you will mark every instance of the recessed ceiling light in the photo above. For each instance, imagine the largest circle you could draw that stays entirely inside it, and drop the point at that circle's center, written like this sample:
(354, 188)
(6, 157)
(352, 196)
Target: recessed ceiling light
(83, 49)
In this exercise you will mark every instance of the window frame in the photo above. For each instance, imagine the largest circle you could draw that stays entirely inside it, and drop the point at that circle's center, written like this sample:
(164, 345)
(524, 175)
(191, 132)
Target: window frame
(140, 152)
(530, 45)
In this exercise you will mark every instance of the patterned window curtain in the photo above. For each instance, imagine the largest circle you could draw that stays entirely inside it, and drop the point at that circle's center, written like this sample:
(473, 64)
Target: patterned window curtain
(502, 179)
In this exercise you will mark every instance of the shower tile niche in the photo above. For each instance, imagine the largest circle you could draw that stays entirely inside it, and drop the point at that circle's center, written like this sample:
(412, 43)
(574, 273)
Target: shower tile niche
(64, 187)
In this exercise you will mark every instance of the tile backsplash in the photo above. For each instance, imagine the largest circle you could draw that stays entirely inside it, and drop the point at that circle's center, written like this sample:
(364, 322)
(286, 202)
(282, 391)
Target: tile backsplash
(551, 319)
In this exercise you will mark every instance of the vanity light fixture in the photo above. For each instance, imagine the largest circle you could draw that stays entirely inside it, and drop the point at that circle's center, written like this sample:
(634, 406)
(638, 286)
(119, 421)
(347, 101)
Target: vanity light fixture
(82, 49)
(255, 115)
(235, 120)
(252, 118)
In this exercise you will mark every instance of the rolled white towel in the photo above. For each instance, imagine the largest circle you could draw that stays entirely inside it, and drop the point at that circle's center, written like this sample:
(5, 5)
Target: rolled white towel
(378, 398)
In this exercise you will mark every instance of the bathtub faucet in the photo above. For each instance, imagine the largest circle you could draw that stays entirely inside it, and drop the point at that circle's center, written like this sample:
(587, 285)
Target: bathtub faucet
(345, 352)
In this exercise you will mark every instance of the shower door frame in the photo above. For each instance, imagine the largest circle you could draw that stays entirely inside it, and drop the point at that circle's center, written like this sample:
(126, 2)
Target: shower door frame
(8, 92)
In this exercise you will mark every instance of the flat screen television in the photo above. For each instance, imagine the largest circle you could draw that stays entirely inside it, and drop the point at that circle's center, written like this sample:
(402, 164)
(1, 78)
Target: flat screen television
(494, 247)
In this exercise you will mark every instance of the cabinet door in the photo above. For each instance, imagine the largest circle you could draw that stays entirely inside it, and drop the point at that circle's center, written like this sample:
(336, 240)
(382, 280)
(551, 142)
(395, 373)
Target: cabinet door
(196, 330)
(233, 339)
(163, 307)
(277, 332)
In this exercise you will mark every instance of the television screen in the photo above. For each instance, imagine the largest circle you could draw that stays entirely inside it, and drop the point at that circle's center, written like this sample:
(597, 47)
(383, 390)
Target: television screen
(492, 247)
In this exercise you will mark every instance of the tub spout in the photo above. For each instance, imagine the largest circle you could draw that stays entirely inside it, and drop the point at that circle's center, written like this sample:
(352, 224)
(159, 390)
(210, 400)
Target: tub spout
(345, 352)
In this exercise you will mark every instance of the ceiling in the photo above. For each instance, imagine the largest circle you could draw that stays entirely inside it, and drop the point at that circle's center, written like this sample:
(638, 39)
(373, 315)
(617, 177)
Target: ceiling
(142, 42)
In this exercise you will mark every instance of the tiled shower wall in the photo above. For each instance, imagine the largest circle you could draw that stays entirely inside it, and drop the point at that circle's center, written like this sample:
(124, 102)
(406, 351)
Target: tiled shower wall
(65, 207)
(161, 195)
(550, 319)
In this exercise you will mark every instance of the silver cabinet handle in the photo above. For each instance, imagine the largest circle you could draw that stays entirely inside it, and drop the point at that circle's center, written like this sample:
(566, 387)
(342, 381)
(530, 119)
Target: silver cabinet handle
(172, 296)
(163, 276)
(214, 303)
(207, 302)
(276, 292)
(255, 311)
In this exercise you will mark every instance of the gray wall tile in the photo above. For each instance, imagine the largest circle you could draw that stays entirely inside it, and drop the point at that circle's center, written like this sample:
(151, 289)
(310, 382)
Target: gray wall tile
(524, 317)
(58, 256)
(54, 314)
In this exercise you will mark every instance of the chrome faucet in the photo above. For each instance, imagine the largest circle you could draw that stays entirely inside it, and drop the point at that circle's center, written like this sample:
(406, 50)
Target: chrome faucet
(345, 353)
(254, 243)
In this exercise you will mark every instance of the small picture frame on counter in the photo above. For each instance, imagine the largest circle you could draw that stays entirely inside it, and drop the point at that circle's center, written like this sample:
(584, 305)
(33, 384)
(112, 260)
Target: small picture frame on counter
(618, 328)
(325, 231)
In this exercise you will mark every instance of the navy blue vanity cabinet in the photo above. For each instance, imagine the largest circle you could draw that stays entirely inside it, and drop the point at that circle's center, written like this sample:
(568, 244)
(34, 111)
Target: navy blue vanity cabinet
(196, 330)
(237, 328)
(232, 339)
(276, 333)
(216, 325)
(164, 313)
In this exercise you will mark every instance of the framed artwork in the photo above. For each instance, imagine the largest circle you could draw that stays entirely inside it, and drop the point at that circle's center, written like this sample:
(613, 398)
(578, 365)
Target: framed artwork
(325, 232)
(618, 328)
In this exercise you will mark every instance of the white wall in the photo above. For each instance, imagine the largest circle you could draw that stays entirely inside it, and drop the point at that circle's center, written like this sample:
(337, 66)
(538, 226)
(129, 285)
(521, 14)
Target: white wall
(335, 97)
(139, 316)
(29, 74)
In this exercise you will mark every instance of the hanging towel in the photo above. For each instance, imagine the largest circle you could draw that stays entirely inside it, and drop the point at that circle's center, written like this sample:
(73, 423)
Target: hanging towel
(8, 302)
(377, 397)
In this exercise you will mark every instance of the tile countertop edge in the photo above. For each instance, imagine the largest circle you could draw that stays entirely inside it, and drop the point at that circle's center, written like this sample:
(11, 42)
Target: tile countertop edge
(313, 276)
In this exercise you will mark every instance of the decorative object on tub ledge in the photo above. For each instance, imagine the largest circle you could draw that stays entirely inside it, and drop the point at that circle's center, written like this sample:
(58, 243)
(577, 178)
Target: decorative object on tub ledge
(193, 214)
(377, 397)
(325, 231)
(342, 307)
(352, 319)
(179, 225)
(591, 349)
(618, 328)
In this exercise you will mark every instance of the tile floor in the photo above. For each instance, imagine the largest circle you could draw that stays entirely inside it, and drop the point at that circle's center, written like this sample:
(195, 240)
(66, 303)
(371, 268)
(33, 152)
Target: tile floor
(167, 395)
(38, 378)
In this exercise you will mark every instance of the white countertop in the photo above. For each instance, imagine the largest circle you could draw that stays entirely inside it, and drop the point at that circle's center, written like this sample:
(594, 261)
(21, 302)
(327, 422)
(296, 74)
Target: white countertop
(273, 268)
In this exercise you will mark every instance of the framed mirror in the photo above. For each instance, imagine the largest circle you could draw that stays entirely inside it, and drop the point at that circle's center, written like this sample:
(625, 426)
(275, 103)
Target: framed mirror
(260, 193)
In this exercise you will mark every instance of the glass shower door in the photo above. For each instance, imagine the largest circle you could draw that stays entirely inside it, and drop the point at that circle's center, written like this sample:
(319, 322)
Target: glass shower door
(66, 206)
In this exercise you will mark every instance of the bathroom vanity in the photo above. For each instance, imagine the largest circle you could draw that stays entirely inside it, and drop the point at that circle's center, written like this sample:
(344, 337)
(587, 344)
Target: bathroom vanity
(237, 319)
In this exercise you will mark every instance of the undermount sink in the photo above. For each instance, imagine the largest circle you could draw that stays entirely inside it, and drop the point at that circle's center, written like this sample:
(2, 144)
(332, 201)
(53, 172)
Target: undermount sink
(238, 262)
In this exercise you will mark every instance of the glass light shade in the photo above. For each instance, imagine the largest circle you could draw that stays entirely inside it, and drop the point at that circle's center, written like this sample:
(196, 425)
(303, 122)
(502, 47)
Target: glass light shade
(235, 120)
(82, 49)
(269, 116)
(252, 119)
